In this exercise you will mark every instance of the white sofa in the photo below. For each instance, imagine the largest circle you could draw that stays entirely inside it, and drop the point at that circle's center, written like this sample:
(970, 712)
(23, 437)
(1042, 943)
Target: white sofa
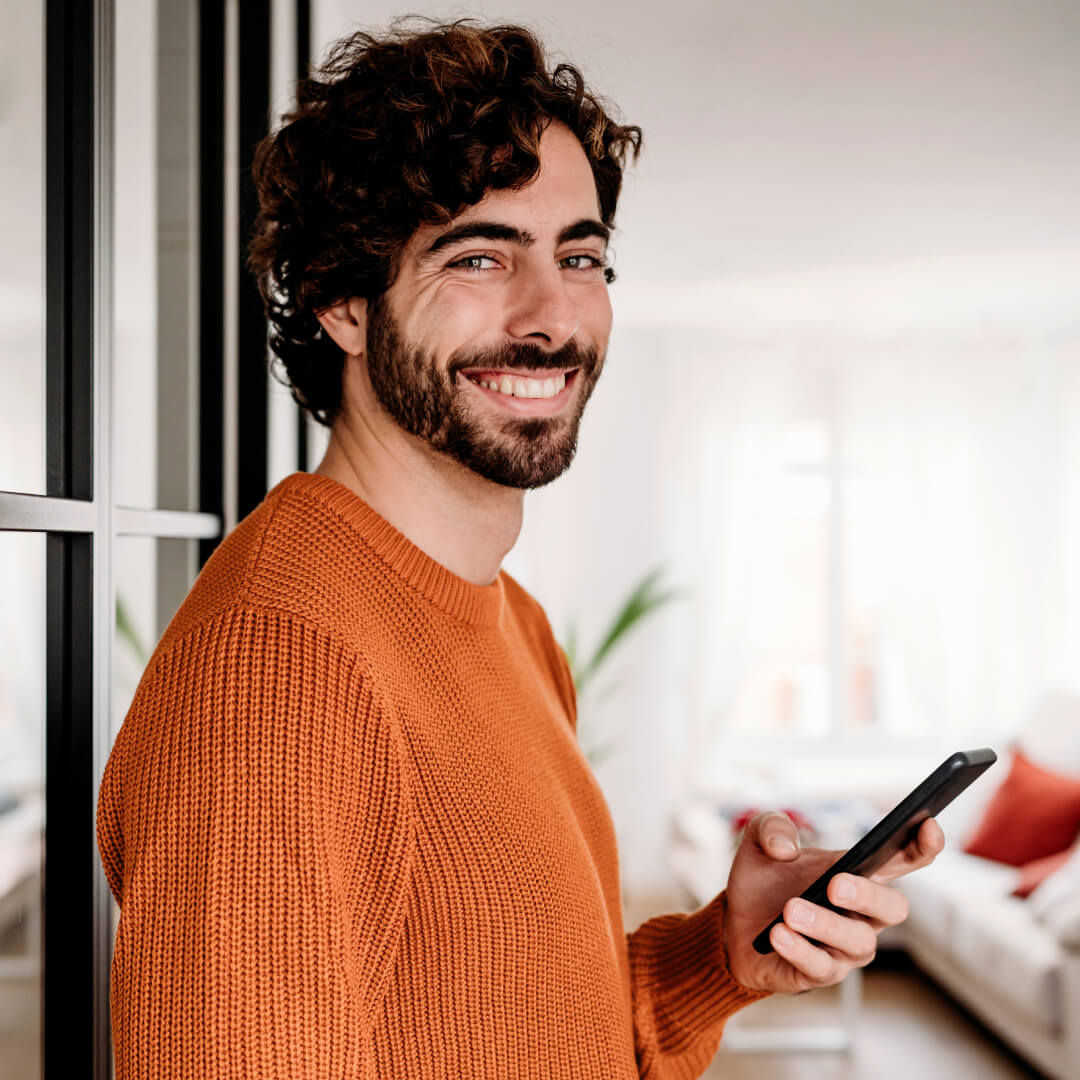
(1018, 973)
(1015, 963)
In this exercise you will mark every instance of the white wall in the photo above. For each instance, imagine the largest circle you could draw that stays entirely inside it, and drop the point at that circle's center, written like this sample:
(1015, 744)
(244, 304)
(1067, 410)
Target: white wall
(866, 169)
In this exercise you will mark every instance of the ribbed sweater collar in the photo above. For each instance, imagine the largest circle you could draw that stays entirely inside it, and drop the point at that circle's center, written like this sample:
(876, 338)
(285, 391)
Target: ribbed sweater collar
(480, 605)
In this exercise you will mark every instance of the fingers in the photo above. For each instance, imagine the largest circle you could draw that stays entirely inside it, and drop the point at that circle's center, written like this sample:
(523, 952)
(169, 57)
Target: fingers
(927, 845)
(930, 841)
(824, 945)
(854, 938)
(839, 944)
(820, 945)
(775, 834)
(881, 904)
(819, 966)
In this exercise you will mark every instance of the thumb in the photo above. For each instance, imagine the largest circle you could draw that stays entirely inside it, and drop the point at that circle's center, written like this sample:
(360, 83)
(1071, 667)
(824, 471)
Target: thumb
(774, 834)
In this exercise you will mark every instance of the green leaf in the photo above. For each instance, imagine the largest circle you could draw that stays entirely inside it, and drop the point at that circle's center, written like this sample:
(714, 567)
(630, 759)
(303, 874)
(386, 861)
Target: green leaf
(597, 752)
(571, 649)
(126, 632)
(643, 599)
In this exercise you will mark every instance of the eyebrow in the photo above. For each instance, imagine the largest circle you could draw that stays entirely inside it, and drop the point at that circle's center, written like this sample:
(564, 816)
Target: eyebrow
(496, 230)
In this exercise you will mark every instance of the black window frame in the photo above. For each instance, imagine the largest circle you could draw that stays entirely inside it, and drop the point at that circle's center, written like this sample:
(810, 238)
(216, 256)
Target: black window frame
(77, 515)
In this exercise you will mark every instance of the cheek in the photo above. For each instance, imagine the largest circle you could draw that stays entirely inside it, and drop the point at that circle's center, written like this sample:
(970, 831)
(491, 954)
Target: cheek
(458, 319)
(597, 317)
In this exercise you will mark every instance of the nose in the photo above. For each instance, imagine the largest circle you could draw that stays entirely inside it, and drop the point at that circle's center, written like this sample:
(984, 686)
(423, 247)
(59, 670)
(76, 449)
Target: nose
(542, 307)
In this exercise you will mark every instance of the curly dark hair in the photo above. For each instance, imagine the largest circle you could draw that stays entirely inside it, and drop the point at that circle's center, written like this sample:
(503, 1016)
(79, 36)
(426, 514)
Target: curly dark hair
(393, 132)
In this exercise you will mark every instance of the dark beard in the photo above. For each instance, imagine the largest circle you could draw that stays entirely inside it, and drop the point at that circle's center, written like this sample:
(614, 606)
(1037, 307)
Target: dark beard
(519, 452)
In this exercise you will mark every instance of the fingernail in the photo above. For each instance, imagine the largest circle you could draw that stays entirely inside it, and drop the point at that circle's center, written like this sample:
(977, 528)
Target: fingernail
(782, 845)
(844, 889)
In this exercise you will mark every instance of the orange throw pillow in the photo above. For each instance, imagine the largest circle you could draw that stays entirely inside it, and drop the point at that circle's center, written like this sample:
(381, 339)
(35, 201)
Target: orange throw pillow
(1034, 873)
(1033, 814)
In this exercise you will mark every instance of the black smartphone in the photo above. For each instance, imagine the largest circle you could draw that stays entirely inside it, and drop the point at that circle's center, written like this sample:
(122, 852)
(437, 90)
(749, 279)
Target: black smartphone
(896, 829)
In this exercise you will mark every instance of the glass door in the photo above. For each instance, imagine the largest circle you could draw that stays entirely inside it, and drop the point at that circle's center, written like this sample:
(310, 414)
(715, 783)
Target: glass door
(126, 338)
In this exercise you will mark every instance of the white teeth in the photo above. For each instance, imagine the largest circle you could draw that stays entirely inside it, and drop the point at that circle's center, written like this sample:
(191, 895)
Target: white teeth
(515, 386)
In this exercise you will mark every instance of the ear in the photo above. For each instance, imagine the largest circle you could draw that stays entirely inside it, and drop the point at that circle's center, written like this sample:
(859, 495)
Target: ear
(346, 323)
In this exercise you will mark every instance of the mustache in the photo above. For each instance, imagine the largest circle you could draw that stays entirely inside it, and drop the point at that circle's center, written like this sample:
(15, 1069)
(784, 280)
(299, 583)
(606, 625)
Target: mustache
(525, 357)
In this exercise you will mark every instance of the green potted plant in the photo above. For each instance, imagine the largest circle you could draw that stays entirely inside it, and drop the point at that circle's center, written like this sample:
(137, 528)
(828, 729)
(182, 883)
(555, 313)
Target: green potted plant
(647, 596)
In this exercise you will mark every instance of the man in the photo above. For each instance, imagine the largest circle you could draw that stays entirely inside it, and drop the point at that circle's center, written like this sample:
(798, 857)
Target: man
(346, 818)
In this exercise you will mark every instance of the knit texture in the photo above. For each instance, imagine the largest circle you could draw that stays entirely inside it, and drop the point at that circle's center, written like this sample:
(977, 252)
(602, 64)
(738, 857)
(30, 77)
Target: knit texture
(352, 834)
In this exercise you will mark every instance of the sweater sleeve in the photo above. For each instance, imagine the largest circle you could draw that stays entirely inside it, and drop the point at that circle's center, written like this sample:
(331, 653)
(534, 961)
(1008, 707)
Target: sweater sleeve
(682, 991)
(255, 825)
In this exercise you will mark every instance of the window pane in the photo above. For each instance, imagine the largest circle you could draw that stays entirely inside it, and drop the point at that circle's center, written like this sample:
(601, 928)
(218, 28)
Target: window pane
(22, 798)
(155, 229)
(963, 535)
(22, 353)
(768, 465)
(152, 578)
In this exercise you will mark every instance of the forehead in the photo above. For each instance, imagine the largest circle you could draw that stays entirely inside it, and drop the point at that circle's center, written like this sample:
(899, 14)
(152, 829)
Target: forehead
(562, 192)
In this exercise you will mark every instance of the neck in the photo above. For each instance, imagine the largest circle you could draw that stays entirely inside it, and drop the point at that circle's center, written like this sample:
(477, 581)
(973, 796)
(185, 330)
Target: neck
(464, 522)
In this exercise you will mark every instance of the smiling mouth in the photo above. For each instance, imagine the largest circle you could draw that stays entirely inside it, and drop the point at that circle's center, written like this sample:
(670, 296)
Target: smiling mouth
(539, 385)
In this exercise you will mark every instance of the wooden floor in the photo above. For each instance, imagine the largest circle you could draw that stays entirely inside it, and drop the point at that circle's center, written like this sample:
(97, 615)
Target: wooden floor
(908, 1029)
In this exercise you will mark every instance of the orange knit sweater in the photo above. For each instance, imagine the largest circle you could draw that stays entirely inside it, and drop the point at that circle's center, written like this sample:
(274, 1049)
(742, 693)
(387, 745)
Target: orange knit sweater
(352, 834)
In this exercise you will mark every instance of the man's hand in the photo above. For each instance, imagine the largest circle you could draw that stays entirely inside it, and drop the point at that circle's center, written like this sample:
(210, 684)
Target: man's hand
(770, 871)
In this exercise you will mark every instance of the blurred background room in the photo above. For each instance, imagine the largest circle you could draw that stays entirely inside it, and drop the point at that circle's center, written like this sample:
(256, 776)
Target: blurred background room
(830, 478)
